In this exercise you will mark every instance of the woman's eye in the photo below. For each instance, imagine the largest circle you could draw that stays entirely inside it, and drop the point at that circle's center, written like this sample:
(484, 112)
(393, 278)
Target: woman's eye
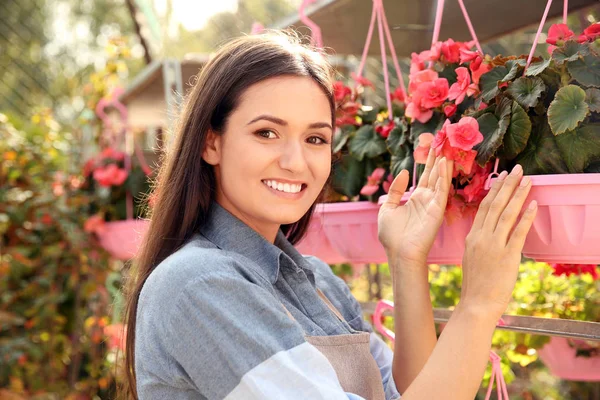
(316, 140)
(267, 134)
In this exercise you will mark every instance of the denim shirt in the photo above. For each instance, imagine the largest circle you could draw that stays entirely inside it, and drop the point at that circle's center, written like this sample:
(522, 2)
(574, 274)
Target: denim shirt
(211, 325)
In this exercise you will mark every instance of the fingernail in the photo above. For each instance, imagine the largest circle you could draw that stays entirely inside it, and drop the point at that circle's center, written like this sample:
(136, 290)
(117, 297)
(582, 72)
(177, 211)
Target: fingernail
(532, 205)
(525, 181)
(516, 170)
(502, 175)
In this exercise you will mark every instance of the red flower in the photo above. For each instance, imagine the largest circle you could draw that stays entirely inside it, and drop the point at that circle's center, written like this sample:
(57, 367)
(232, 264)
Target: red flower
(373, 182)
(464, 134)
(341, 91)
(346, 120)
(388, 183)
(463, 160)
(384, 130)
(116, 335)
(422, 150)
(558, 33)
(451, 51)
(475, 190)
(416, 64)
(576, 269)
(89, 167)
(481, 69)
(109, 152)
(467, 55)
(420, 77)
(110, 175)
(592, 32)
(415, 109)
(362, 81)
(95, 223)
(398, 95)
(450, 109)
(441, 144)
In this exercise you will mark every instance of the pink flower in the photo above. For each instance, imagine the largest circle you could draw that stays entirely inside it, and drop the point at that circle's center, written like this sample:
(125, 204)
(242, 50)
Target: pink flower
(416, 64)
(110, 175)
(558, 33)
(388, 183)
(458, 90)
(94, 224)
(451, 51)
(421, 77)
(441, 144)
(481, 69)
(592, 32)
(464, 134)
(362, 81)
(116, 335)
(373, 180)
(450, 109)
(422, 150)
(415, 109)
(467, 55)
(384, 130)
(576, 269)
(433, 94)
(463, 160)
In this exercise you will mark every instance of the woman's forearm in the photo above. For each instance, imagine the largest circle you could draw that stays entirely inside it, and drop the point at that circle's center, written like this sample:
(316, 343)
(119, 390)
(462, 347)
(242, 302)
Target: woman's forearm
(413, 321)
(457, 364)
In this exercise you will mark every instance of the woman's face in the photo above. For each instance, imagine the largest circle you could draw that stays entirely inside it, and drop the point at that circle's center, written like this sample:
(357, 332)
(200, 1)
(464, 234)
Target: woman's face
(274, 156)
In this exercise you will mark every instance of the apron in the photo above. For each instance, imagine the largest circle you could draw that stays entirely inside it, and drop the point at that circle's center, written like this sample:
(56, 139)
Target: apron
(350, 356)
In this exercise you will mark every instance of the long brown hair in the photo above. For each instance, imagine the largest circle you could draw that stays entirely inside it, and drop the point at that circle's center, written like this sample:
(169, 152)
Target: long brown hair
(185, 184)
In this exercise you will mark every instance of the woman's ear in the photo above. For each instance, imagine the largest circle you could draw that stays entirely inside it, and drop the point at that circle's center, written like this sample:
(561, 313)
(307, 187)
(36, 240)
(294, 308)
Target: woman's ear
(212, 148)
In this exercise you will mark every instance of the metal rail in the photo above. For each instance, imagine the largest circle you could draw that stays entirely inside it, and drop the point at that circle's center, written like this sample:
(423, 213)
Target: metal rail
(517, 323)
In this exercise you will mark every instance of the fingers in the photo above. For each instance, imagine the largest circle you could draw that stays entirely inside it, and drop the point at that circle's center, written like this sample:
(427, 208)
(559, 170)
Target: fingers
(517, 239)
(435, 174)
(397, 189)
(442, 186)
(511, 212)
(502, 198)
(487, 201)
(424, 181)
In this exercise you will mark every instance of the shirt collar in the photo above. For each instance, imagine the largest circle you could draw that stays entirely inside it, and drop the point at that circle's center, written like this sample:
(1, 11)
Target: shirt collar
(229, 233)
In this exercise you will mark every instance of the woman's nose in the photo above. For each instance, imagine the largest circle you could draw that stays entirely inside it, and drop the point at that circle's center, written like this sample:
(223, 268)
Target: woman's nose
(292, 157)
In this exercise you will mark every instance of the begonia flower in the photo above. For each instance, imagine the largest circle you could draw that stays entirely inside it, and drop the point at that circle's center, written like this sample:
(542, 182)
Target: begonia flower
(373, 181)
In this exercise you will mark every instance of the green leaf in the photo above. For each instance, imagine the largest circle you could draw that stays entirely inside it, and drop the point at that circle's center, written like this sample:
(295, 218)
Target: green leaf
(397, 137)
(403, 159)
(593, 168)
(431, 126)
(527, 91)
(366, 142)
(541, 156)
(517, 134)
(512, 66)
(349, 176)
(586, 70)
(567, 109)
(571, 51)
(493, 127)
(537, 67)
(489, 82)
(340, 139)
(592, 98)
(580, 147)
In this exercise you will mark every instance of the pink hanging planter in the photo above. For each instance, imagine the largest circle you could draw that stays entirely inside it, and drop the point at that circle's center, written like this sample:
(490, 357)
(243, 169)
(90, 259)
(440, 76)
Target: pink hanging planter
(567, 227)
(559, 357)
(315, 242)
(122, 239)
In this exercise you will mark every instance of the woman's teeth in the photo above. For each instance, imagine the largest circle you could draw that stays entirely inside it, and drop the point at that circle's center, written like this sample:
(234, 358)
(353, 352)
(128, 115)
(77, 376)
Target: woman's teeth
(283, 187)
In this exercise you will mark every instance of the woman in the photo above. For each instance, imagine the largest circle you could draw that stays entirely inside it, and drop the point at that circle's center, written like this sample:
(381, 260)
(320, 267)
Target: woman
(223, 306)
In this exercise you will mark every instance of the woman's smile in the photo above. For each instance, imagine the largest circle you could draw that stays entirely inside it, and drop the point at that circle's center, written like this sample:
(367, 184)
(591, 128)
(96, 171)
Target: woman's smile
(285, 189)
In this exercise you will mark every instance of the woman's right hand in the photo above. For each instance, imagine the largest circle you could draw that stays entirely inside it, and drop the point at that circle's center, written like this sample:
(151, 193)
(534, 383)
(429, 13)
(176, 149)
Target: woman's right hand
(493, 248)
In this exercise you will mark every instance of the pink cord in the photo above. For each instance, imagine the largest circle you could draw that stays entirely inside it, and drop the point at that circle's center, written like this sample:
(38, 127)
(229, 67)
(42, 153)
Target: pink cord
(316, 38)
(565, 11)
(438, 22)
(498, 377)
(392, 50)
(537, 35)
(386, 78)
(363, 60)
(470, 25)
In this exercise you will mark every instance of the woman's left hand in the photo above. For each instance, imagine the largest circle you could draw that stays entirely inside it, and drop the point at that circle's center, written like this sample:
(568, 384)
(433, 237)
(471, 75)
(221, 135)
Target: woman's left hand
(408, 231)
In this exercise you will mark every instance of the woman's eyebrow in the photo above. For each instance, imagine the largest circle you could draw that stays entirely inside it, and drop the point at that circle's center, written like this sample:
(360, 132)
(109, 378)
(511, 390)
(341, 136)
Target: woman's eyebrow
(281, 122)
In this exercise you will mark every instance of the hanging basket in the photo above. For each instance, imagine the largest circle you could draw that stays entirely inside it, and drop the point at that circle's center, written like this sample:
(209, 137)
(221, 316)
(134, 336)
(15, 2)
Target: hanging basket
(315, 241)
(123, 238)
(567, 226)
(559, 357)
